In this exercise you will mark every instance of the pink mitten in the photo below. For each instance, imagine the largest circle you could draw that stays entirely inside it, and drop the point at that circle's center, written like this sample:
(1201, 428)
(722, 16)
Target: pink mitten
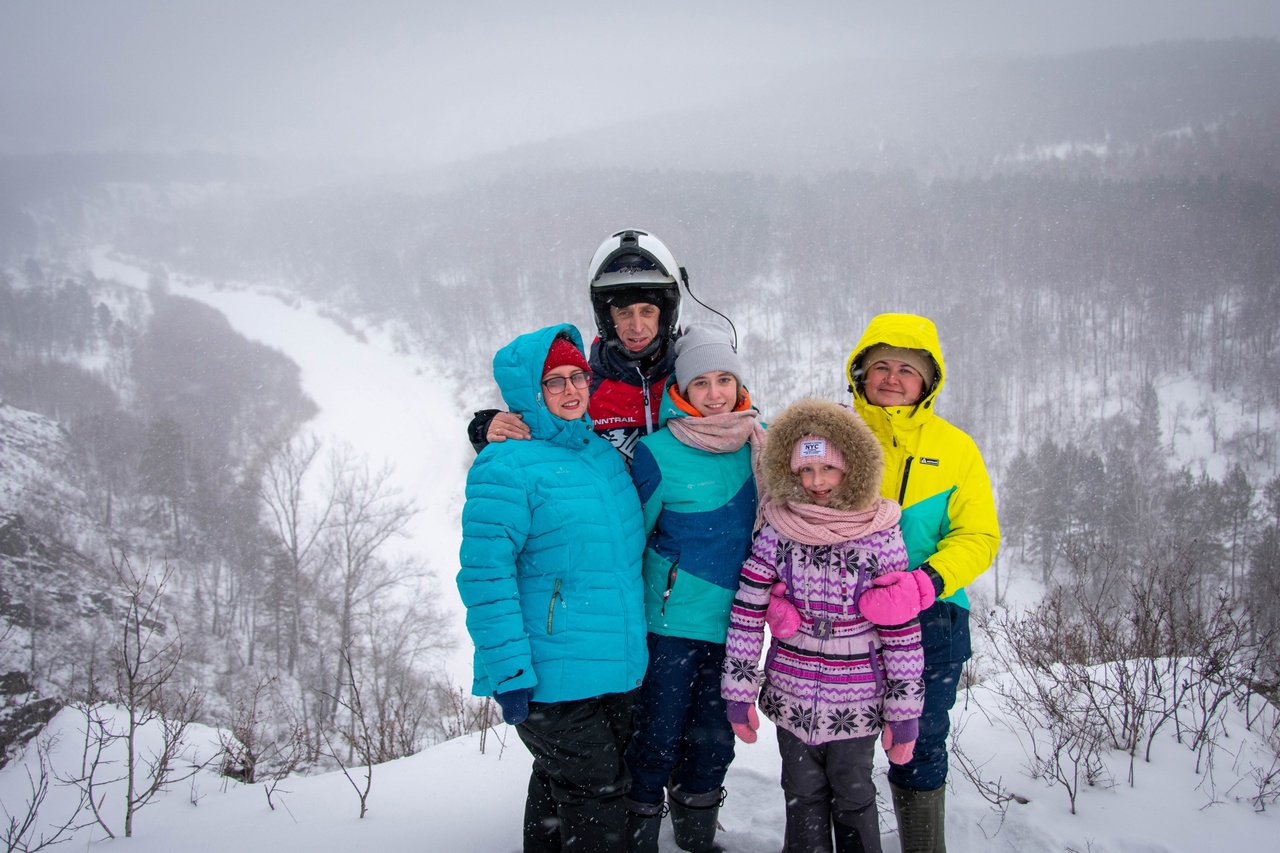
(782, 617)
(744, 720)
(897, 597)
(899, 753)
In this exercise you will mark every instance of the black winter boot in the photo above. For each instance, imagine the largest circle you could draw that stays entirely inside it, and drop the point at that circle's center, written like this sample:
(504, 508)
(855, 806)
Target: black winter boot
(921, 819)
(644, 821)
(693, 817)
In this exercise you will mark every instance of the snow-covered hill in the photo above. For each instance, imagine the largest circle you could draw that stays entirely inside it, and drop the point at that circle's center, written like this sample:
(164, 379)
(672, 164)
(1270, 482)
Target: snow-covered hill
(33, 462)
(389, 407)
(455, 797)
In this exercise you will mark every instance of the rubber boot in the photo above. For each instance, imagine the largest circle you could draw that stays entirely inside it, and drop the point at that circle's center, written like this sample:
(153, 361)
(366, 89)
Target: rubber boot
(693, 817)
(921, 819)
(644, 821)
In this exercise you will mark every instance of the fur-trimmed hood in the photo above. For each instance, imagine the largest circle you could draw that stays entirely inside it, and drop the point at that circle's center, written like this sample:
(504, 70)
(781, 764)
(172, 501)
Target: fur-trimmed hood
(838, 424)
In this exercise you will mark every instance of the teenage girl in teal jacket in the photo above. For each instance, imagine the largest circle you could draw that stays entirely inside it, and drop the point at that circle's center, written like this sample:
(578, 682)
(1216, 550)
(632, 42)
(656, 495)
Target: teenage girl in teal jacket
(695, 481)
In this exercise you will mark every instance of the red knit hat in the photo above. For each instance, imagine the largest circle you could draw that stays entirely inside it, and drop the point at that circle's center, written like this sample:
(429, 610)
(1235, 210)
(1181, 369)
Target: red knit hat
(563, 352)
(816, 450)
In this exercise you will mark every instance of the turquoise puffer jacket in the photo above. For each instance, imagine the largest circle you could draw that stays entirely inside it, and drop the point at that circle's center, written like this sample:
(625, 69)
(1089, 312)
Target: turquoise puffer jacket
(699, 508)
(551, 547)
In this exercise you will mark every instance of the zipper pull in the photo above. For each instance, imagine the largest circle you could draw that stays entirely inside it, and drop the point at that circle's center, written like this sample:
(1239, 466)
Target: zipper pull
(671, 582)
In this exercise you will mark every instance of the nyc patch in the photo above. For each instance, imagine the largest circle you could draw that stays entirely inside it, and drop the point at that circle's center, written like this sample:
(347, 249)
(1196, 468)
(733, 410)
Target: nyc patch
(813, 447)
(929, 460)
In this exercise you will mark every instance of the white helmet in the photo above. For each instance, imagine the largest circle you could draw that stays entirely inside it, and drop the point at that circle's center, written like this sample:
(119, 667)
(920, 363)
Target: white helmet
(634, 266)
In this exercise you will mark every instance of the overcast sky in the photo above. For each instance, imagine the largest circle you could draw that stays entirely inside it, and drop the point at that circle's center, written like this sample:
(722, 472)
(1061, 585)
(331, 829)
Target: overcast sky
(423, 82)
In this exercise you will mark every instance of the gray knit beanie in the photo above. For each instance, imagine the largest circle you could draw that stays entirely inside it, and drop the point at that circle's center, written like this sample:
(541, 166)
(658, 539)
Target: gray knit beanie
(702, 348)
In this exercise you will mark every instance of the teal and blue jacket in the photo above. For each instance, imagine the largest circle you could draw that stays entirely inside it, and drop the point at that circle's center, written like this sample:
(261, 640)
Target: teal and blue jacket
(551, 546)
(699, 509)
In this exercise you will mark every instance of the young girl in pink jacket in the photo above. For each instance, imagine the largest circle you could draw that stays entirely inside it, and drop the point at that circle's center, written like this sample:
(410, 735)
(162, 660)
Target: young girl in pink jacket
(830, 555)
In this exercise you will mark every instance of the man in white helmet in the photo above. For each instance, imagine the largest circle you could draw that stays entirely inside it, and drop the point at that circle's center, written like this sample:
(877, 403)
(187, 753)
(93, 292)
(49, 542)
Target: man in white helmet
(635, 295)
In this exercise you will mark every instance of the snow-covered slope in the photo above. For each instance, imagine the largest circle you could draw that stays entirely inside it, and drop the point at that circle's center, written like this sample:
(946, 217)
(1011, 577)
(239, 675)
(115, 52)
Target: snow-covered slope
(456, 798)
(33, 457)
(389, 407)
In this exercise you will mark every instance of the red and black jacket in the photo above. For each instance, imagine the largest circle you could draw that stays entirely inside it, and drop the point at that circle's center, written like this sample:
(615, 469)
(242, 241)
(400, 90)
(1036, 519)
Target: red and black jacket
(626, 395)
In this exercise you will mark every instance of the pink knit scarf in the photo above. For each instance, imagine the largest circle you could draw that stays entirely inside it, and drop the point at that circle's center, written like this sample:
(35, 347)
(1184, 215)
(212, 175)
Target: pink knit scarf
(810, 524)
(722, 433)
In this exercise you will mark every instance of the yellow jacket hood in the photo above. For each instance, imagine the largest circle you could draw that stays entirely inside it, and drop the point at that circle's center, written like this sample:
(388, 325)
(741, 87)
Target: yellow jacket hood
(908, 331)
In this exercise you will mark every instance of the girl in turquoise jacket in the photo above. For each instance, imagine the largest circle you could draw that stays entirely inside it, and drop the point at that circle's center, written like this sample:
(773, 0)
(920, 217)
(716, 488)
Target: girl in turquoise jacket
(550, 576)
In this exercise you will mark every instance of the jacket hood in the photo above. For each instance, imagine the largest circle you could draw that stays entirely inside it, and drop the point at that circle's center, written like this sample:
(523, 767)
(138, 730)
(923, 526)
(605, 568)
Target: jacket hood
(841, 426)
(907, 331)
(517, 368)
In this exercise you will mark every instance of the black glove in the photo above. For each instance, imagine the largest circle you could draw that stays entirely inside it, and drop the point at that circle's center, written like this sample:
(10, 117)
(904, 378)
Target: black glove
(478, 429)
(929, 570)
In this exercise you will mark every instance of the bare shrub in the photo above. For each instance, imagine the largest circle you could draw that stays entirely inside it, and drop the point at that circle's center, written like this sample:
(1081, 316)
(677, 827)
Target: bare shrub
(991, 790)
(1104, 664)
(146, 660)
(1265, 770)
(22, 831)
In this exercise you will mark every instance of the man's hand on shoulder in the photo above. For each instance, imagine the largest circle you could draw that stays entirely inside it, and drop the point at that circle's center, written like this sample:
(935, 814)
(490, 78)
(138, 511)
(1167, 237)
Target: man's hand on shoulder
(507, 425)
(492, 425)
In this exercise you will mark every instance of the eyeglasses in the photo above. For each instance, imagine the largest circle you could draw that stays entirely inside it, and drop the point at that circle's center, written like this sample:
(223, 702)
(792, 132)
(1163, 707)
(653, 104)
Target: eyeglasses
(555, 385)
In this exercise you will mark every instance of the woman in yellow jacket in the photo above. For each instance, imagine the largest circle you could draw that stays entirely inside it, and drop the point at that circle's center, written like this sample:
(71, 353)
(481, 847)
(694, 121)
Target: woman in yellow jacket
(934, 470)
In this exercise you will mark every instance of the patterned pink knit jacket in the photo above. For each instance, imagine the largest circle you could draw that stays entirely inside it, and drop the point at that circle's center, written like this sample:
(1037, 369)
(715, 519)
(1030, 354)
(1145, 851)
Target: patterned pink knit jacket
(846, 684)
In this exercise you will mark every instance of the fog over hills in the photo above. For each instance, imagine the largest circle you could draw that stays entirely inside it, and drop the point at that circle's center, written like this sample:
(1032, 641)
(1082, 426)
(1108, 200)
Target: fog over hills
(1104, 112)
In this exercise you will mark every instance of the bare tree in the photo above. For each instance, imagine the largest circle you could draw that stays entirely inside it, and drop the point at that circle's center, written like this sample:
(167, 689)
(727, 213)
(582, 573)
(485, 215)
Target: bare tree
(367, 513)
(465, 714)
(22, 831)
(403, 701)
(243, 739)
(358, 736)
(264, 740)
(98, 736)
(289, 752)
(297, 525)
(146, 664)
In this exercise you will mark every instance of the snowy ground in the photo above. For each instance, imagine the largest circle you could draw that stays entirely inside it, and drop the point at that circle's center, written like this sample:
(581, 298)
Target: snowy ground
(453, 797)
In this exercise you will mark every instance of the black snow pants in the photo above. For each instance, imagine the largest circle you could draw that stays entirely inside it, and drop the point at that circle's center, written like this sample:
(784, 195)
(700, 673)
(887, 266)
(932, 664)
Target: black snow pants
(575, 790)
(827, 783)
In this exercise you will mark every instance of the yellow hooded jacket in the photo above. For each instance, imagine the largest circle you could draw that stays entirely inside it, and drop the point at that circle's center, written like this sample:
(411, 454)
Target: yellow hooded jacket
(931, 467)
